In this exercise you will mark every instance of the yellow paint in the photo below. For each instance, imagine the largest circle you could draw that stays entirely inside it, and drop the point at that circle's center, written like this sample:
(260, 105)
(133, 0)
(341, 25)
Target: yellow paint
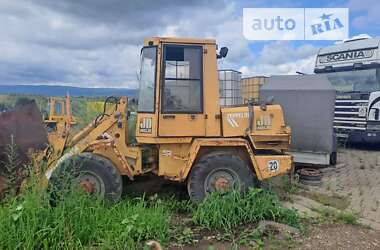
(169, 144)
(265, 168)
(172, 158)
(268, 126)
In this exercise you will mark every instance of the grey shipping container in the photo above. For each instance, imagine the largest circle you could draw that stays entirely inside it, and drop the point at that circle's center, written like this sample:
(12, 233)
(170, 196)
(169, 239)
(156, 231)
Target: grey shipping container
(308, 104)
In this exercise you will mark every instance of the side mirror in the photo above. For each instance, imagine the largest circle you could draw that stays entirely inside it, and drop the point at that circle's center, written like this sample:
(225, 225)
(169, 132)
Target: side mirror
(222, 53)
(269, 100)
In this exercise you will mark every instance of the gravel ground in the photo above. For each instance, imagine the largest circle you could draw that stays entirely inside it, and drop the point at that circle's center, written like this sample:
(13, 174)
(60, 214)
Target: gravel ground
(339, 236)
(357, 177)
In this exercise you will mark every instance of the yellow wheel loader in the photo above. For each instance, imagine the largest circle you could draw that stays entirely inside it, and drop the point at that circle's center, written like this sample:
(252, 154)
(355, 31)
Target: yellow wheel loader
(58, 123)
(182, 133)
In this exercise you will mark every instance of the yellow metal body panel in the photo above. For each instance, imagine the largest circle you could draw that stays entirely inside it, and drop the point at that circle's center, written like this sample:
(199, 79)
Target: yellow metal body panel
(133, 156)
(165, 140)
(211, 91)
(146, 126)
(172, 159)
(235, 121)
(273, 165)
(182, 125)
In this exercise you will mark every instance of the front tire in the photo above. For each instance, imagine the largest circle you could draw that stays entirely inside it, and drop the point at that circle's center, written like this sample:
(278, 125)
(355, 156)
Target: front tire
(95, 174)
(219, 172)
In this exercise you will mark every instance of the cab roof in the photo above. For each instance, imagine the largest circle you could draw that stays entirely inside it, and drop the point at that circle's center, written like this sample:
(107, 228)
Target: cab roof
(350, 45)
(157, 40)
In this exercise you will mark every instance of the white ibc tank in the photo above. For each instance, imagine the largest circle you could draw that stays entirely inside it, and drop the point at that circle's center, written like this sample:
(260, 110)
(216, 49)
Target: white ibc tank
(230, 88)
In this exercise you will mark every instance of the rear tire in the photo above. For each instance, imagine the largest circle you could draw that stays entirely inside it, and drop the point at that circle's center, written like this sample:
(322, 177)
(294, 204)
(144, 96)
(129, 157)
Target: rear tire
(219, 172)
(333, 158)
(95, 174)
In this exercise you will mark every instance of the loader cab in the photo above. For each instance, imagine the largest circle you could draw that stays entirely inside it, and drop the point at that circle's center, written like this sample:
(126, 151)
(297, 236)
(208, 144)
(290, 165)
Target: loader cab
(179, 89)
(59, 110)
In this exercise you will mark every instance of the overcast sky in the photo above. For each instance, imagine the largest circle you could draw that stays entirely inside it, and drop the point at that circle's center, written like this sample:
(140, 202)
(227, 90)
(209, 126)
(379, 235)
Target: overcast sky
(96, 43)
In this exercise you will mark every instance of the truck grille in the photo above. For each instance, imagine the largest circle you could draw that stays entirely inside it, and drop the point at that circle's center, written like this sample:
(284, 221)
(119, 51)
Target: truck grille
(349, 115)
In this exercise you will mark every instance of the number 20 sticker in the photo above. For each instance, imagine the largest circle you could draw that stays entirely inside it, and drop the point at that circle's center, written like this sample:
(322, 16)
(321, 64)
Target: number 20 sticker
(273, 165)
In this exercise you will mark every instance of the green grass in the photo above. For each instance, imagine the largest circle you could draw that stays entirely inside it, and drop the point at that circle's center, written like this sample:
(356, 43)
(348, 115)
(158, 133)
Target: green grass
(348, 218)
(79, 222)
(84, 222)
(228, 211)
(339, 216)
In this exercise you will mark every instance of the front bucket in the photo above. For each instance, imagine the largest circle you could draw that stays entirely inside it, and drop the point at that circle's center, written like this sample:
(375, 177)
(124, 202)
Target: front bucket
(23, 123)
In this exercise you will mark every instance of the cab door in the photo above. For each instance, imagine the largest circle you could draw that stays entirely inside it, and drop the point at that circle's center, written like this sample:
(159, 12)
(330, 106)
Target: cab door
(181, 107)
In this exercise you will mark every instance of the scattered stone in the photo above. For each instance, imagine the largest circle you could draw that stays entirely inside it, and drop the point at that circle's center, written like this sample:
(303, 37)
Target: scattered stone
(271, 227)
(211, 237)
(154, 245)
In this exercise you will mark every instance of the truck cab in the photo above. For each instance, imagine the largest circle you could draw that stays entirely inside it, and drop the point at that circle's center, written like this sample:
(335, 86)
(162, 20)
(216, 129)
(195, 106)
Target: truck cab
(353, 68)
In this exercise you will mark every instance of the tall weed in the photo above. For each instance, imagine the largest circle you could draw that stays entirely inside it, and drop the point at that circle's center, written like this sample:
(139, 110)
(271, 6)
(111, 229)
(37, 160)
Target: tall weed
(29, 222)
(226, 211)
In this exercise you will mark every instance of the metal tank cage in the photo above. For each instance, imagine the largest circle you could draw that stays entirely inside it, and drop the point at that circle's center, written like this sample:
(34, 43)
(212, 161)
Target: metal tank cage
(250, 88)
(229, 87)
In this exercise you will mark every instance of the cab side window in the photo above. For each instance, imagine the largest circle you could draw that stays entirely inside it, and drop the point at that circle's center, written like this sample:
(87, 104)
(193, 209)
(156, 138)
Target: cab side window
(58, 108)
(182, 80)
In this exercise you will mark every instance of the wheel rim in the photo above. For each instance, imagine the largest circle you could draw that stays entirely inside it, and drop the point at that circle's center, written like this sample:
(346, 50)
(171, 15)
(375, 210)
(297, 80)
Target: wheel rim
(91, 183)
(221, 180)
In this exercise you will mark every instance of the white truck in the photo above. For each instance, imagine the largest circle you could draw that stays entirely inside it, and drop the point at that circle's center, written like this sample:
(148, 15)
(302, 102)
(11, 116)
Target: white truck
(353, 68)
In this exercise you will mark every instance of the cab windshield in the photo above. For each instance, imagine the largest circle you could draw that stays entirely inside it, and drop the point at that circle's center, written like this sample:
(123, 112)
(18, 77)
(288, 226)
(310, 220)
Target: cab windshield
(147, 79)
(355, 81)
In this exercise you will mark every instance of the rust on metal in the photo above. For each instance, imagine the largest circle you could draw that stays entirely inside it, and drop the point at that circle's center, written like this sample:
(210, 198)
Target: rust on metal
(87, 186)
(222, 184)
(25, 124)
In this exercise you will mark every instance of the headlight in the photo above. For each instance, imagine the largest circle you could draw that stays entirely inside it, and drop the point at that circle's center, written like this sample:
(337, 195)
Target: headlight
(373, 127)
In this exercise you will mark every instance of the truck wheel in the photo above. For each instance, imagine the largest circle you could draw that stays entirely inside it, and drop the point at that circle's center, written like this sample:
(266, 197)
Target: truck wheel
(95, 174)
(333, 158)
(219, 172)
